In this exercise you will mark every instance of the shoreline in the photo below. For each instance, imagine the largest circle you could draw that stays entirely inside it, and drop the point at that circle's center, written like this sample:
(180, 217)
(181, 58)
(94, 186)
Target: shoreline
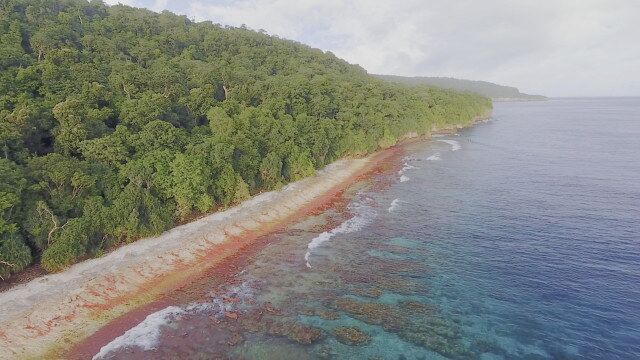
(225, 271)
(50, 314)
(53, 315)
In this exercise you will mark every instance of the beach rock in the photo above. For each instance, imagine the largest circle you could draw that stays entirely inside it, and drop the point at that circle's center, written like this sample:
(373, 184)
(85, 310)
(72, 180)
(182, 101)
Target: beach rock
(372, 313)
(307, 311)
(253, 322)
(235, 339)
(329, 315)
(436, 325)
(371, 292)
(232, 300)
(231, 315)
(301, 334)
(306, 335)
(351, 335)
(323, 313)
(416, 307)
(268, 307)
(446, 347)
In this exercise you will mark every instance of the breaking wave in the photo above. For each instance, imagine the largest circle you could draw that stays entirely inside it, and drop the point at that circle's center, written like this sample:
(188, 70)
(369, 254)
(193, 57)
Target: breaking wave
(394, 205)
(434, 157)
(363, 214)
(455, 145)
(146, 335)
(405, 167)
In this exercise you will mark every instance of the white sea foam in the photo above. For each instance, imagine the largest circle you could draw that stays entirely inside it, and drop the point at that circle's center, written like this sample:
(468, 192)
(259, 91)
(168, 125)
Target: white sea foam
(408, 166)
(434, 157)
(401, 172)
(218, 306)
(455, 145)
(394, 205)
(363, 214)
(144, 335)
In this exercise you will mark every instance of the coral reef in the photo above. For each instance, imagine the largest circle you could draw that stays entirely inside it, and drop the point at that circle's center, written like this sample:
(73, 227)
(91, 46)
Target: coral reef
(372, 313)
(351, 335)
(417, 322)
(302, 334)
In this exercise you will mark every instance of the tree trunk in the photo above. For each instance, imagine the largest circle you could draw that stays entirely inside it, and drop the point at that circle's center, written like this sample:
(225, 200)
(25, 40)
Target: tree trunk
(226, 91)
(5, 263)
(124, 88)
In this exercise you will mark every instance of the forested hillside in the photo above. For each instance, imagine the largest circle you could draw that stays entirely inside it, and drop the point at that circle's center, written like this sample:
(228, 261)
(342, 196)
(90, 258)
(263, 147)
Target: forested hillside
(483, 88)
(116, 123)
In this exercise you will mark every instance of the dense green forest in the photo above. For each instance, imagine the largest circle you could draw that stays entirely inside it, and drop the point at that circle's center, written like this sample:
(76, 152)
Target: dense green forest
(116, 123)
(483, 88)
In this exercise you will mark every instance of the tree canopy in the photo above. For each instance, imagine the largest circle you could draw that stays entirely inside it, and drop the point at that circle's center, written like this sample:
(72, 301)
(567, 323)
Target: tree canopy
(116, 122)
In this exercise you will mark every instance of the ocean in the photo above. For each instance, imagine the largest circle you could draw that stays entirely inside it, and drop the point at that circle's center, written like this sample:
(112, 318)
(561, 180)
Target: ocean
(518, 238)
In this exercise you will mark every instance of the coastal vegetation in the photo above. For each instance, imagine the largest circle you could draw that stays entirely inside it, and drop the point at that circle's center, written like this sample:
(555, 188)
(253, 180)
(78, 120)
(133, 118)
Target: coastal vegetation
(117, 123)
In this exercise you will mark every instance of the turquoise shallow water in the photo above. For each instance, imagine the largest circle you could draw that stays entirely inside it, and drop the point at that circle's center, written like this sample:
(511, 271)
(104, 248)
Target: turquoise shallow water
(516, 239)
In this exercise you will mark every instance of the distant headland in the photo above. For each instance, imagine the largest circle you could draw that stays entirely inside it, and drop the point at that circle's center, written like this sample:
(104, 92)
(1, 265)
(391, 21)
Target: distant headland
(494, 91)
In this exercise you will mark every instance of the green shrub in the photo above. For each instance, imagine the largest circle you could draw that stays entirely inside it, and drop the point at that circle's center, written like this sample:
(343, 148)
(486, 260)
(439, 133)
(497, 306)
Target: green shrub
(15, 255)
(387, 139)
(69, 245)
(242, 191)
(299, 165)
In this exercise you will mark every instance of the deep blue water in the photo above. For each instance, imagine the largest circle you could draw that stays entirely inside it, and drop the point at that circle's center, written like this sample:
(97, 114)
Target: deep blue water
(521, 236)
(534, 226)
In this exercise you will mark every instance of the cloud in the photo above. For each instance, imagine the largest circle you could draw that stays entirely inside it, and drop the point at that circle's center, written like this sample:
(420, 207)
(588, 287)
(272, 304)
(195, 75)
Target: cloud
(561, 47)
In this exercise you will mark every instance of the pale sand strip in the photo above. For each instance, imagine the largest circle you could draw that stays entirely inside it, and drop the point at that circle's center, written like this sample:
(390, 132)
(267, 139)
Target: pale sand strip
(42, 314)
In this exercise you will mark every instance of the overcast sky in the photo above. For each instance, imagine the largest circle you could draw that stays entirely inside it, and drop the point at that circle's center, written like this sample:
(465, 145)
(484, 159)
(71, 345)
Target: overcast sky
(549, 47)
